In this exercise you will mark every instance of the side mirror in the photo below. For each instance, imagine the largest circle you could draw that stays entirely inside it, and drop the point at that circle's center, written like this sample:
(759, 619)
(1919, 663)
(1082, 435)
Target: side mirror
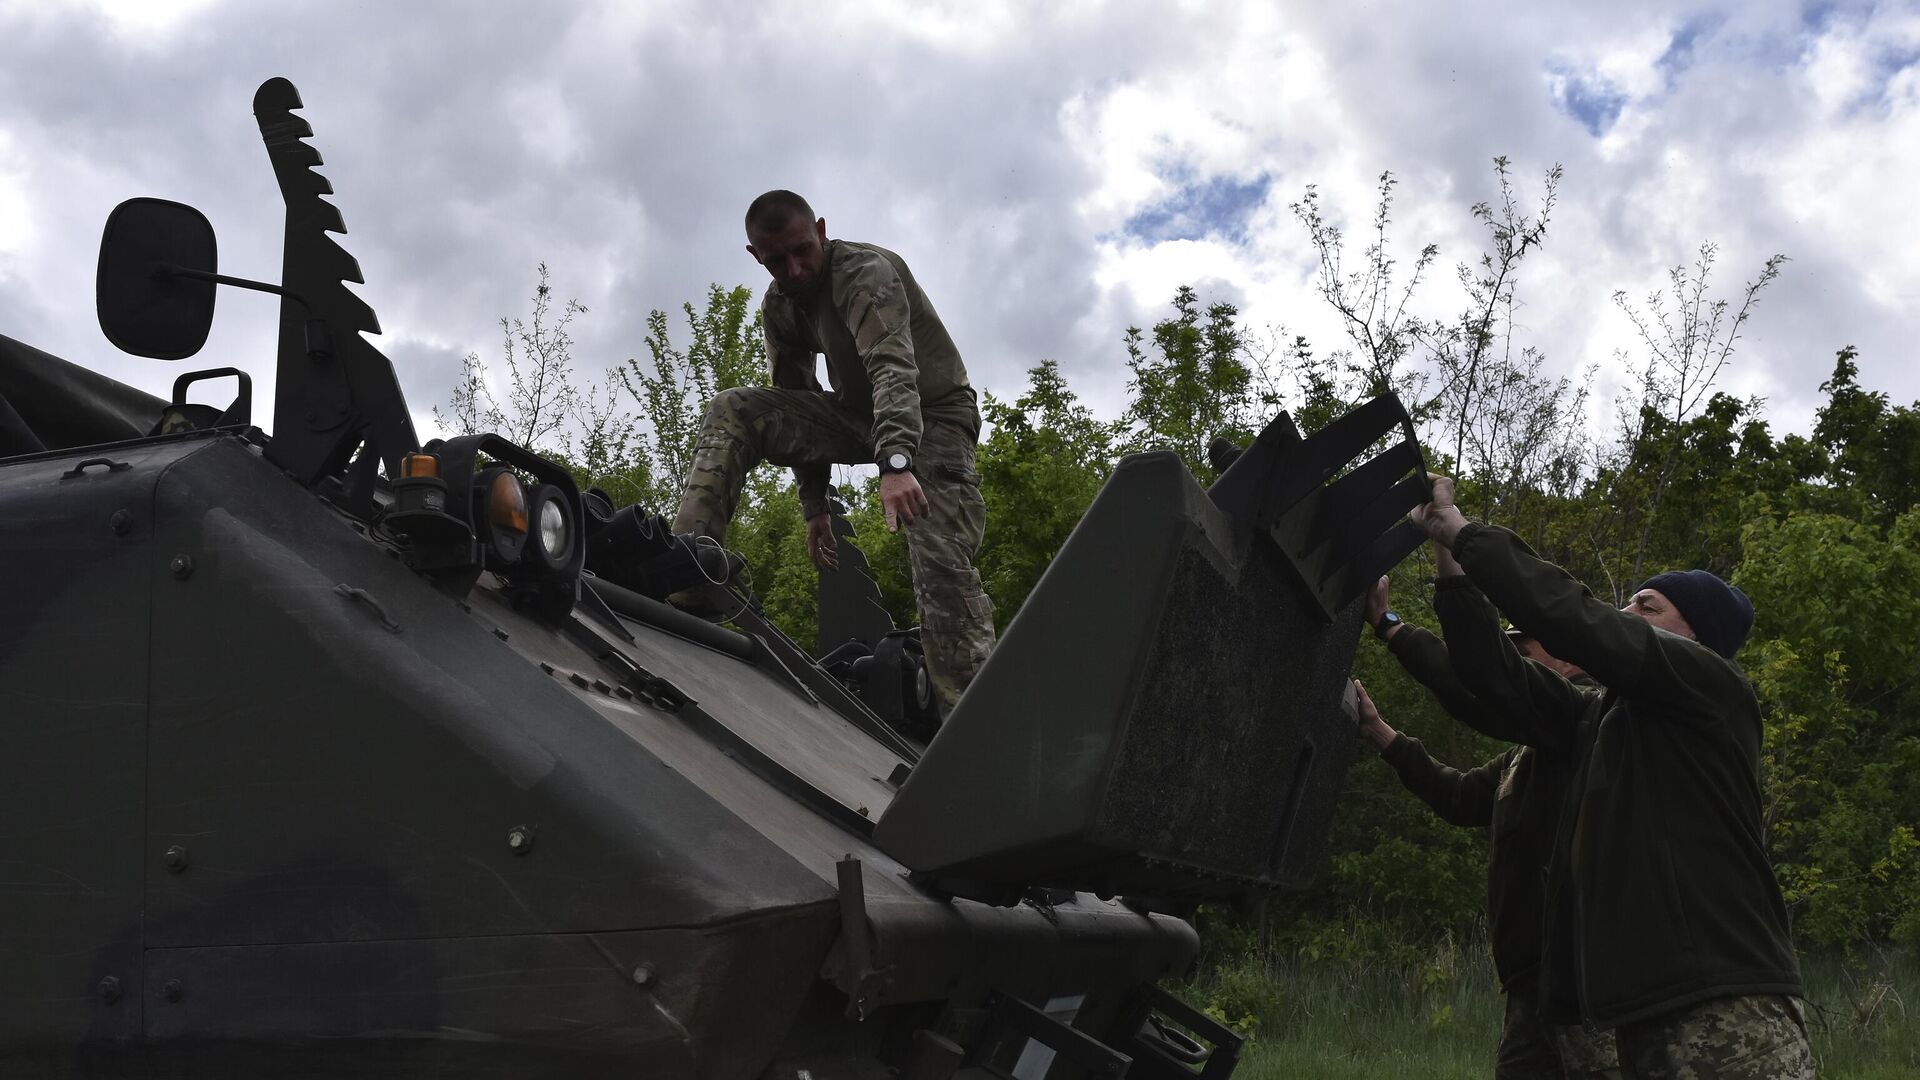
(145, 307)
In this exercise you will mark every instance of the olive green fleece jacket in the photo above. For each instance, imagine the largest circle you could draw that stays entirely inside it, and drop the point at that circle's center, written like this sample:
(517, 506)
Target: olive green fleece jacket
(1516, 794)
(890, 360)
(1659, 891)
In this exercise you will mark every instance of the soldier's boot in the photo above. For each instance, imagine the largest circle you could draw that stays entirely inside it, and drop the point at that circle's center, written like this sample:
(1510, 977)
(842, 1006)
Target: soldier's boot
(711, 599)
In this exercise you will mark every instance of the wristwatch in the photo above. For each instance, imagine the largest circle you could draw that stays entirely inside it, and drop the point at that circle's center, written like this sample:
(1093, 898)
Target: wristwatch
(1388, 620)
(898, 461)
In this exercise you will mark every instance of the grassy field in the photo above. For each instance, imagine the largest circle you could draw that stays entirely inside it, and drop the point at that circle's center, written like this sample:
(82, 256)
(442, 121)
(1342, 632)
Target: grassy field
(1440, 1016)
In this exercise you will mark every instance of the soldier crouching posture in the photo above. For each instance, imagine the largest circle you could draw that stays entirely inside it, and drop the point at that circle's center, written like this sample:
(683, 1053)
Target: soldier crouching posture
(900, 399)
(1663, 917)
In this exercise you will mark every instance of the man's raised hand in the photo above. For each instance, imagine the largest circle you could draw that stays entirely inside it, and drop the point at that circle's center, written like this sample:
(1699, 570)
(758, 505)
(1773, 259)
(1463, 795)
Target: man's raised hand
(1372, 728)
(1377, 601)
(1439, 517)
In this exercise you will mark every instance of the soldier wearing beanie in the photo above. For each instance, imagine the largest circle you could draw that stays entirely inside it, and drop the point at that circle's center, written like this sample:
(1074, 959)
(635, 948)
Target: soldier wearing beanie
(1663, 917)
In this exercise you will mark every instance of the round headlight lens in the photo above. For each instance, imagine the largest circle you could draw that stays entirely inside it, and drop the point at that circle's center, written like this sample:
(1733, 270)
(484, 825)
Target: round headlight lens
(555, 539)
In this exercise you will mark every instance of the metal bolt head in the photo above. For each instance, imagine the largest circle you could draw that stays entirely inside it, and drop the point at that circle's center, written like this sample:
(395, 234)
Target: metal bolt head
(121, 523)
(520, 839)
(109, 990)
(182, 566)
(642, 975)
(175, 859)
(173, 991)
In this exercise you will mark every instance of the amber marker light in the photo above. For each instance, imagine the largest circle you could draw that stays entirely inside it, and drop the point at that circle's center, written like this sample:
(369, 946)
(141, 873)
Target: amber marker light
(507, 503)
(502, 525)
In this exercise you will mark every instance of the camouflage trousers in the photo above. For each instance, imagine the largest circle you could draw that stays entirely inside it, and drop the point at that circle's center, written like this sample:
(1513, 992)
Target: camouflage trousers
(1739, 1038)
(748, 425)
(1532, 1049)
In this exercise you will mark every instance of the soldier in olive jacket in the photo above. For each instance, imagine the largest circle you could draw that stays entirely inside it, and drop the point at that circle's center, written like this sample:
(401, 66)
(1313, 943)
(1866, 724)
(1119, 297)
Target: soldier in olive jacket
(1516, 796)
(1663, 917)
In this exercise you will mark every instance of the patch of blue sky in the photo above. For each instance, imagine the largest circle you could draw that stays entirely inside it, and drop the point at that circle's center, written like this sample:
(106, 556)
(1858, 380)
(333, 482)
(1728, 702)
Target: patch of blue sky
(1886, 65)
(1815, 16)
(1588, 97)
(1680, 49)
(1216, 206)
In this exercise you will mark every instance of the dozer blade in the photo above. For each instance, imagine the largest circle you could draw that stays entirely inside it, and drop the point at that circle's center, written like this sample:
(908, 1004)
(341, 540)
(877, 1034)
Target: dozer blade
(1169, 715)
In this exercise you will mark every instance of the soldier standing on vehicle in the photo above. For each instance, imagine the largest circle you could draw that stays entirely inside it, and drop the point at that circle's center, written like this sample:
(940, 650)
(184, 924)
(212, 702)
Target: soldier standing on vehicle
(1664, 920)
(1517, 796)
(900, 399)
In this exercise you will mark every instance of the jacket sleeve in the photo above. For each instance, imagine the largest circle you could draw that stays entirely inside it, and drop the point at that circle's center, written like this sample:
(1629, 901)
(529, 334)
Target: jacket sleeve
(1668, 674)
(872, 301)
(1522, 701)
(1460, 798)
(1424, 657)
(791, 365)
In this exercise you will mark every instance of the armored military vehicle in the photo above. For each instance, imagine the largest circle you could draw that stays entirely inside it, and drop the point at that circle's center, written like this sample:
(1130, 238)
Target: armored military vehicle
(329, 753)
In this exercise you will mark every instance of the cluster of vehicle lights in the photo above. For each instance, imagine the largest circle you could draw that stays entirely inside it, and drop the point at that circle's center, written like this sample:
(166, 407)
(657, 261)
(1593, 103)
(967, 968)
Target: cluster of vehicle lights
(520, 526)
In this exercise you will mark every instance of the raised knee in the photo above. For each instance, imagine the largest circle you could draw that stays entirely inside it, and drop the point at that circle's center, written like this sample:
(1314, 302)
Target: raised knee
(729, 407)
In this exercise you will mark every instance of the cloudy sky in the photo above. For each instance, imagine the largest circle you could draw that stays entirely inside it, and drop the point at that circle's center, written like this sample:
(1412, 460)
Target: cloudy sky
(1051, 171)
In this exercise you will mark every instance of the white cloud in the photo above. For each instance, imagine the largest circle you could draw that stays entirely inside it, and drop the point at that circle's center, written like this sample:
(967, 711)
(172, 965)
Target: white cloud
(1001, 149)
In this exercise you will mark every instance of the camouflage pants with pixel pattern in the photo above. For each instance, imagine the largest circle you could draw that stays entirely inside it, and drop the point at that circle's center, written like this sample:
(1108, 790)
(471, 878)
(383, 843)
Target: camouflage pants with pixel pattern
(748, 425)
(1587, 1053)
(1532, 1049)
(1762, 1037)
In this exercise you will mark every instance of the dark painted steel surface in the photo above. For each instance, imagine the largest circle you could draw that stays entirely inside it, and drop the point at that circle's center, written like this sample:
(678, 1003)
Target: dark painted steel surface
(323, 408)
(338, 781)
(73, 720)
(66, 405)
(1182, 735)
(1334, 507)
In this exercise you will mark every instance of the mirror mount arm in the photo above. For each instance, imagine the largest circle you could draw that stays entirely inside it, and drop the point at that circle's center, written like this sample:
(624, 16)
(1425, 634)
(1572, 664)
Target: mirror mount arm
(319, 342)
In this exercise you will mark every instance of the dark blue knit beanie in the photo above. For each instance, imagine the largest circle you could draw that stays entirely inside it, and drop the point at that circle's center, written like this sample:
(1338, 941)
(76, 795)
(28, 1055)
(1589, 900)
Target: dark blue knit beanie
(1719, 613)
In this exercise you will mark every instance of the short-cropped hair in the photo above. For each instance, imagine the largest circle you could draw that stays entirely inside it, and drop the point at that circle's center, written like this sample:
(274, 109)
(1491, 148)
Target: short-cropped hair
(770, 212)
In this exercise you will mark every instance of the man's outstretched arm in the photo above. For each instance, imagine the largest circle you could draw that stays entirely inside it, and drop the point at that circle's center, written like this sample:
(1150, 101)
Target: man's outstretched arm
(1524, 701)
(1429, 660)
(1619, 649)
(1460, 798)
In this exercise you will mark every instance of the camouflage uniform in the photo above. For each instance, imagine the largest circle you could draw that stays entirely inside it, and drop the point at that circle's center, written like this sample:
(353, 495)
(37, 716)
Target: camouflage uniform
(1761, 1037)
(898, 385)
(1587, 1053)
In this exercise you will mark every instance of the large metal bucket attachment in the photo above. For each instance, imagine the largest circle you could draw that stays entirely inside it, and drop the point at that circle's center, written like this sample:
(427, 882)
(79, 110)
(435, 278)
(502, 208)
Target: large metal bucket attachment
(1168, 713)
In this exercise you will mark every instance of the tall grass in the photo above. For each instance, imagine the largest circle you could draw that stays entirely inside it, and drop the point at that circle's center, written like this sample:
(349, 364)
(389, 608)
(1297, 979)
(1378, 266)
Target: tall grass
(1436, 1012)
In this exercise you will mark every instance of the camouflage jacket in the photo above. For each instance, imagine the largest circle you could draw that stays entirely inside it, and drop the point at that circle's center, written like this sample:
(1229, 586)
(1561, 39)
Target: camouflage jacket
(889, 359)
